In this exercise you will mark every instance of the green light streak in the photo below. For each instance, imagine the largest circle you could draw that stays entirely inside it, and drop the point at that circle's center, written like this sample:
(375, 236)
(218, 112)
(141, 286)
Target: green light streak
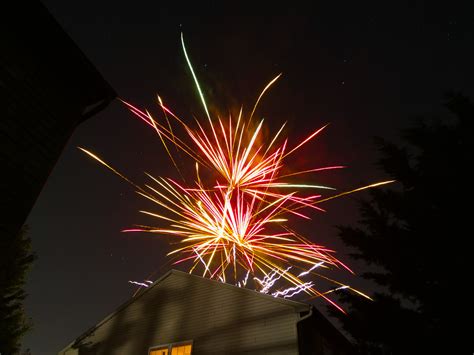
(195, 78)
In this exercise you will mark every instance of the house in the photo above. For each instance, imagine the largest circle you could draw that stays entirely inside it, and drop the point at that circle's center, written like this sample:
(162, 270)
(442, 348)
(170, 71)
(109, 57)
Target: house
(183, 314)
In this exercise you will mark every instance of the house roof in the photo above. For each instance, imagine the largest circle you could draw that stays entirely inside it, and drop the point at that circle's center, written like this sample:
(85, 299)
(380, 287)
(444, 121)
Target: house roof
(297, 306)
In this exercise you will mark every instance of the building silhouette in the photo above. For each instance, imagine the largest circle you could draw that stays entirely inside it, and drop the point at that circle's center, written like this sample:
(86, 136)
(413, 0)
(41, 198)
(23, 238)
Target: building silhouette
(47, 88)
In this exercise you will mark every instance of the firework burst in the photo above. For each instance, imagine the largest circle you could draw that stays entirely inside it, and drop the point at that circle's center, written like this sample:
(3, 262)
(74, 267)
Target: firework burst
(237, 225)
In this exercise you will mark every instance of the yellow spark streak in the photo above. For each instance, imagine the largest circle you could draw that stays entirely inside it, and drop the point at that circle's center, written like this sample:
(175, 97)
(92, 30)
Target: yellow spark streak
(95, 157)
(306, 140)
(355, 190)
(262, 93)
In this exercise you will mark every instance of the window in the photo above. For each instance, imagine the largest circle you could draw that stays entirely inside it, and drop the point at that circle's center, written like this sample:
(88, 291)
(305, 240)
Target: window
(172, 349)
(181, 350)
(161, 351)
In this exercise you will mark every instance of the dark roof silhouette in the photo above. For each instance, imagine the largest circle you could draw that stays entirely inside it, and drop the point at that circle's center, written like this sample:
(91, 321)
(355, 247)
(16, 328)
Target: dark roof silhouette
(47, 87)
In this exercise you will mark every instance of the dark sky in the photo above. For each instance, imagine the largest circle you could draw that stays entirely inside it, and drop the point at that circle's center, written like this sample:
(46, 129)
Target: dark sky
(366, 70)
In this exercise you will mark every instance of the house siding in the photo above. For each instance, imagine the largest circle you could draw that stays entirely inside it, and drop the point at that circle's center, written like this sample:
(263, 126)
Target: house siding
(218, 318)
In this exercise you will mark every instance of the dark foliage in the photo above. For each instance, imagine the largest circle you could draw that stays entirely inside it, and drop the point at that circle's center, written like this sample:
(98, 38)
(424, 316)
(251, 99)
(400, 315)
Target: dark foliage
(15, 260)
(415, 238)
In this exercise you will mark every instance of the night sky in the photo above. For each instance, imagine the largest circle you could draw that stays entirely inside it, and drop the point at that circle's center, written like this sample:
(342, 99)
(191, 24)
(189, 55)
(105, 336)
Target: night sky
(365, 70)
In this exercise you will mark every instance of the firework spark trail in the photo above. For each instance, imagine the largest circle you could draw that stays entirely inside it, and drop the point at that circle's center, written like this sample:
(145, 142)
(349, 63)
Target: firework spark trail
(269, 280)
(142, 284)
(311, 269)
(243, 283)
(292, 291)
(237, 223)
